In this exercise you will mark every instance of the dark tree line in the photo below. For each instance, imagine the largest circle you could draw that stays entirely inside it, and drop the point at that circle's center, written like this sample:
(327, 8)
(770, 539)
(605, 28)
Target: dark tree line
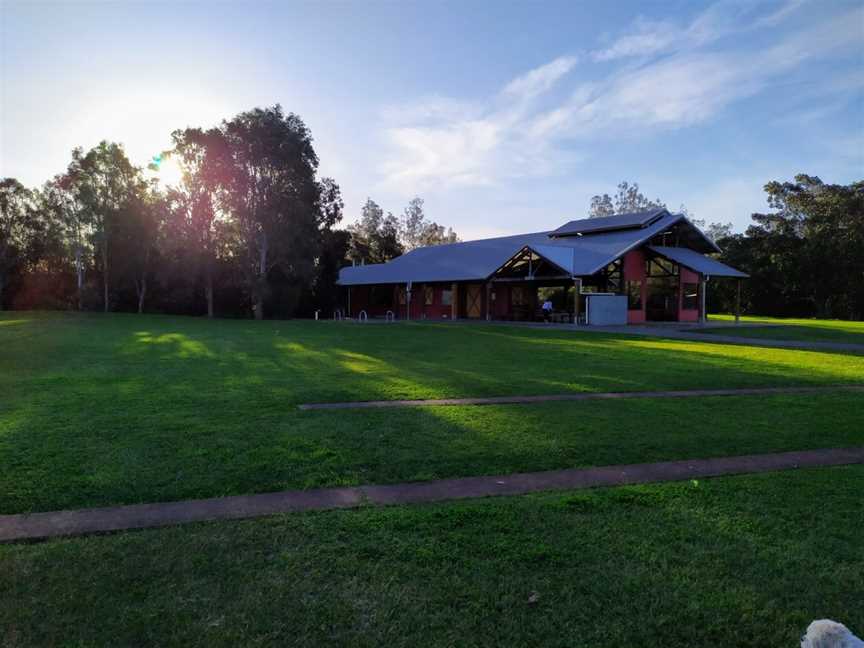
(249, 229)
(252, 229)
(805, 258)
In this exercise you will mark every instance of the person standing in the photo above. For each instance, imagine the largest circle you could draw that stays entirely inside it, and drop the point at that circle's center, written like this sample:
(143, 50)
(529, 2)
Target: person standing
(547, 311)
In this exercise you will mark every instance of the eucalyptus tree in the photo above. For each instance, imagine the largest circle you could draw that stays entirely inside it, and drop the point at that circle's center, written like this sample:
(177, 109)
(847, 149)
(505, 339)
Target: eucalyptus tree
(417, 231)
(266, 168)
(194, 202)
(61, 202)
(627, 199)
(105, 181)
(138, 238)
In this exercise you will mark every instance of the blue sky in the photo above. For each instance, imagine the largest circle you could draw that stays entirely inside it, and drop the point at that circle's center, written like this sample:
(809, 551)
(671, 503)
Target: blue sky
(505, 117)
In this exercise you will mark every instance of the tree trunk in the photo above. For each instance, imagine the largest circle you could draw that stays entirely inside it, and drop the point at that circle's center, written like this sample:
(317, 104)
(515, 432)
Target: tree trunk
(105, 275)
(208, 292)
(79, 273)
(258, 306)
(141, 289)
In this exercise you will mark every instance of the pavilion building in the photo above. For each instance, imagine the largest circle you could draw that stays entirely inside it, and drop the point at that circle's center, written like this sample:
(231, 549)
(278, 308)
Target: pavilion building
(630, 268)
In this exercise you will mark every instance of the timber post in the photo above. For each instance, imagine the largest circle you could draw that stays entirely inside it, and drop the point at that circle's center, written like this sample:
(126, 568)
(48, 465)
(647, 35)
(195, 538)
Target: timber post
(738, 303)
(408, 302)
(577, 291)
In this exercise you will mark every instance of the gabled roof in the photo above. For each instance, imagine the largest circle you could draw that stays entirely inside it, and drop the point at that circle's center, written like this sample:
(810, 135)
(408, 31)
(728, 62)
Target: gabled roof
(697, 262)
(478, 260)
(632, 220)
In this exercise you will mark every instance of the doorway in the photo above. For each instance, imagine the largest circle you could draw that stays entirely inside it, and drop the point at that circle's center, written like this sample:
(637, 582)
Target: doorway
(474, 301)
(662, 304)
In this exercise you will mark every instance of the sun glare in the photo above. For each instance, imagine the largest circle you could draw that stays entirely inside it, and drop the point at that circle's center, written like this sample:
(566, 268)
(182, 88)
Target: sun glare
(166, 170)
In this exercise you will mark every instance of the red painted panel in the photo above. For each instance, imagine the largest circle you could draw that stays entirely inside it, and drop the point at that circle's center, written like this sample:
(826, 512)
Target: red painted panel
(634, 270)
(636, 316)
(634, 265)
(687, 276)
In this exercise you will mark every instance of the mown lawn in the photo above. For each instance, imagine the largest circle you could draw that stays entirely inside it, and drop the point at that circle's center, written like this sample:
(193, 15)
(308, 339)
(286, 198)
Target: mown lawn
(99, 410)
(808, 330)
(737, 561)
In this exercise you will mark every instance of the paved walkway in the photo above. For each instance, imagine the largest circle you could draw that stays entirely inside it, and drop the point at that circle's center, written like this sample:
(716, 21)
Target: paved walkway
(37, 526)
(694, 334)
(582, 396)
(683, 331)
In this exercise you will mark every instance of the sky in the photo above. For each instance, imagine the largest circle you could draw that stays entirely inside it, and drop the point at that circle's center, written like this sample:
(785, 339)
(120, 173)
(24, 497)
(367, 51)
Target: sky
(505, 117)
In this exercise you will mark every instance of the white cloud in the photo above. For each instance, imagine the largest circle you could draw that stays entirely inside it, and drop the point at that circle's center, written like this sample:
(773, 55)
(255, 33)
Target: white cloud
(780, 15)
(540, 79)
(646, 38)
(461, 144)
(521, 131)
(691, 87)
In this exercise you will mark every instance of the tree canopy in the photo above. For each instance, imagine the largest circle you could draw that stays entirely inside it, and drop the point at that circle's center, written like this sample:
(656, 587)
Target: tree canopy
(805, 257)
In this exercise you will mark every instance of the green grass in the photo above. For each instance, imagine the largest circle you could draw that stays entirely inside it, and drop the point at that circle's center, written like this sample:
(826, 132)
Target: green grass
(807, 330)
(101, 410)
(737, 561)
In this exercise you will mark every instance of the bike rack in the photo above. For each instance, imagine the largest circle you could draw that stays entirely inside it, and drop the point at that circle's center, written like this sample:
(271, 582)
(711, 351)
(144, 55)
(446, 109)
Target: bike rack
(390, 316)
(362, 316)
(337, 315)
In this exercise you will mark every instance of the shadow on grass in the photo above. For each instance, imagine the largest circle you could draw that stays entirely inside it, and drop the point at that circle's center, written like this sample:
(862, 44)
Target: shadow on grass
(128, 409)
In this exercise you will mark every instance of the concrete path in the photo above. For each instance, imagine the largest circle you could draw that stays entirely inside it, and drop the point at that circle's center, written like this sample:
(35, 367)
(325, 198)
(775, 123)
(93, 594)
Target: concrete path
(582, 396)
(683, 331)
(694, 334)
(37, 526)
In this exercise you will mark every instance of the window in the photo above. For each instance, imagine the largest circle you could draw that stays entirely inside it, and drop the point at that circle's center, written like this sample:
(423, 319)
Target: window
(659, 267)
(446, 297)
(691, 296)
(428, 295)
(402, 296)
(634, 295)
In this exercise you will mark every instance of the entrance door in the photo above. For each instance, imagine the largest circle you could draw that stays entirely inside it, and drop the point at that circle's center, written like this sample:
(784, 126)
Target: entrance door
(662, 304)
(473, 300)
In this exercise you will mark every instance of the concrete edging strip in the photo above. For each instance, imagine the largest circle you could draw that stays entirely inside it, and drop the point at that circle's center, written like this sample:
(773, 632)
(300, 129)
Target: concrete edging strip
(38, 526)
(582, 396)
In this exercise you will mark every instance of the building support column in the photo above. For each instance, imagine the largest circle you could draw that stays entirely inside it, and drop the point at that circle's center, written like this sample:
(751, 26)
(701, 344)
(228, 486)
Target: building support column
(577, 291)
(408, 301)
(738, 303)
(488, 301)
(349, 301)
(703, 315)
(454, 301)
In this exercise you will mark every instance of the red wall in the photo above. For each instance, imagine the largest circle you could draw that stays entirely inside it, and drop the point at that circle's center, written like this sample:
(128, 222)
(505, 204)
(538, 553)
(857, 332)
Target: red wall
(690, 315)
(436, 310)
(634, 270)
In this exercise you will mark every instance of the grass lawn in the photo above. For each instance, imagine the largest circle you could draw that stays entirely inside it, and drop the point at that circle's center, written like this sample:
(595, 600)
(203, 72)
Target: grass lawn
(736, 561)
(99, 410)
(808, 330)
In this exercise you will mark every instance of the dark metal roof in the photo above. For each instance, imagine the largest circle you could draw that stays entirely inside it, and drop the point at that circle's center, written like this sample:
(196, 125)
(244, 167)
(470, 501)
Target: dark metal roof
(478, 260)
(633, 220)
(697, 262)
